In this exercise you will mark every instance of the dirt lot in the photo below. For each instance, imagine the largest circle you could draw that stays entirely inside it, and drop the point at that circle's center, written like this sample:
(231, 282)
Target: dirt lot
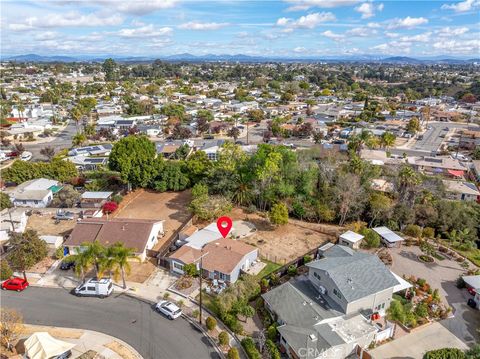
(285, 243)
(169, 206)
(44, 224)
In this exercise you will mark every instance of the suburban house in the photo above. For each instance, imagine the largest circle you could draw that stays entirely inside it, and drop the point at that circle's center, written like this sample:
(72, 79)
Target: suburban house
(461, 190)
(94, 199)
(12, 220)
(140, 234)
(84, 163)
(388, 237)
(96, 150)
(223, 259)
(37, 193)
(446, 166)
(328, 313)
(350, 239)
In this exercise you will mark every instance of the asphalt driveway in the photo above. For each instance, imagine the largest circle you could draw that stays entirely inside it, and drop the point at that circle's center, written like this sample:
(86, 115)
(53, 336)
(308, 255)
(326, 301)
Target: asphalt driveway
(121, 316)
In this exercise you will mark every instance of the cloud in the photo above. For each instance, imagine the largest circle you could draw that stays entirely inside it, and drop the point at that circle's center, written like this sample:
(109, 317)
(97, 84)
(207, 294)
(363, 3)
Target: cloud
(361, 32)
(309, 21)
(406, 23)
(368, 9)
(394, 47)
(202, 26)
(138, 7)
(333, 36)
(299, 49)
(145, 31)
(463, 6)
(46, 35)
(307, 4)
(417, 38)
(465, 47)
(70, 19)
(452, 31)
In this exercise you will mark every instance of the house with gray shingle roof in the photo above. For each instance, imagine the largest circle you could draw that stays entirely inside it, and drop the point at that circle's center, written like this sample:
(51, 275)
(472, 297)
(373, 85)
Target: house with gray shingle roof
(327, 312)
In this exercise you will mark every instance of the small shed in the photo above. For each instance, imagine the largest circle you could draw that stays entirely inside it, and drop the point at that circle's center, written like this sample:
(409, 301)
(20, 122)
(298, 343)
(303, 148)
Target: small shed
(52, 241)
(389, 237)
(94, 199)
(350, 239)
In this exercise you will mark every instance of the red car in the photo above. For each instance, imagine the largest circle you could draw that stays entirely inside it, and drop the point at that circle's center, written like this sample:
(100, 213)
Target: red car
(471, 290)
(17, 284)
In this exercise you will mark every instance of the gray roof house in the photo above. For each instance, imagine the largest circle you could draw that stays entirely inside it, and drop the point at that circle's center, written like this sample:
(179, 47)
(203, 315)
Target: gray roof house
(327, 312)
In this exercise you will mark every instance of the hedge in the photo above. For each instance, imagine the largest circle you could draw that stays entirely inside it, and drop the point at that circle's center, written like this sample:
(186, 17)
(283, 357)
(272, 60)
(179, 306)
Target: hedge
(250, 348)
(445, 353)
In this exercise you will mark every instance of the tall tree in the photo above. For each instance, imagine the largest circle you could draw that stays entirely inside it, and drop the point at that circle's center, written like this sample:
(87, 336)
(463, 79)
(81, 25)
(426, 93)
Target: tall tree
(25, 250)
(109, 68)
(119, 258)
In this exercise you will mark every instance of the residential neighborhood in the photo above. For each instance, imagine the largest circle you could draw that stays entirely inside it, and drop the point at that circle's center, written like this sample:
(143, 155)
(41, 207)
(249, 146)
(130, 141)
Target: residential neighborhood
(283, 179)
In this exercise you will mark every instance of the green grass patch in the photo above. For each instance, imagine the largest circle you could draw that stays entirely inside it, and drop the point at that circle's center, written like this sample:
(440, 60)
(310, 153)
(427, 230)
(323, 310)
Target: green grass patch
(268, 269)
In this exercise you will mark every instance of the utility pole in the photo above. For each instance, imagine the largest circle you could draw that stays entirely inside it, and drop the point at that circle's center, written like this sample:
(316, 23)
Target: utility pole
(200, 269)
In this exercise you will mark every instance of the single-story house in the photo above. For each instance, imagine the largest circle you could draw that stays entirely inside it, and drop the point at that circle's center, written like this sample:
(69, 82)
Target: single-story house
(350, 239)
(461, 190)
(85, 163)
(139, 234)
(223, 259)
(12, 220)
(389, 237)
(94, 199)
(37, 193)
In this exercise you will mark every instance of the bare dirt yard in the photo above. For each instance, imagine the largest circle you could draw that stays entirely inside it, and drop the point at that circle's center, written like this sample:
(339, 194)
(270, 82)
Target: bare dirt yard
(169, 206)
(45, 225)
(285, 243)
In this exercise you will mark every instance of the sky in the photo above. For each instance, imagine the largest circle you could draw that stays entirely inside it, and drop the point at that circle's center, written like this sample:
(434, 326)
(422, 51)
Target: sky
(289, 28)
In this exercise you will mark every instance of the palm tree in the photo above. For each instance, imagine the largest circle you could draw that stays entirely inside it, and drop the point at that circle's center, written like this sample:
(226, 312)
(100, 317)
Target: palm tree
(79, 139)
(388, 140)
(82, 264)
(118, 259)
(92, 254)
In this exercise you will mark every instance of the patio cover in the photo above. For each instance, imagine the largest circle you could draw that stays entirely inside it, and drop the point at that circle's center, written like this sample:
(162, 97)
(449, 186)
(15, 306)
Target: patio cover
(402, 283)
(42, 345)
(472, 280)
(387, 234)
(456, 173)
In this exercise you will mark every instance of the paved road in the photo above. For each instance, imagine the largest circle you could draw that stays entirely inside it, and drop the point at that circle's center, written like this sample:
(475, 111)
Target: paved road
(431, 138)
(62, 140)
(129, 319)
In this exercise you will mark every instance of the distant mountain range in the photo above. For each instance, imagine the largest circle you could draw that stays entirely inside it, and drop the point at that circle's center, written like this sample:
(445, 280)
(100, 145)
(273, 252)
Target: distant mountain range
(186, 57)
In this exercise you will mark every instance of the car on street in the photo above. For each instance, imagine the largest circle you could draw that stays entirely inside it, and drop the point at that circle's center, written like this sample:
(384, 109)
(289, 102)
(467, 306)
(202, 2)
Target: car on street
(169, 309)
(471, 303)
(94, 287)
(67, 264)
(64, 215)
(17, 284)
(26, 156)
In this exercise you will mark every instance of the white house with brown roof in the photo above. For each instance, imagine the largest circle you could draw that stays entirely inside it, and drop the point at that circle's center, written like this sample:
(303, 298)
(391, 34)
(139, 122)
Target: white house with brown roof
(140, 234)
(222, 259)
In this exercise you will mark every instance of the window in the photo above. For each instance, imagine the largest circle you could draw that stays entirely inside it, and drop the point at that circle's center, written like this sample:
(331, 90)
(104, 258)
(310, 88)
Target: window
(337, 293)
(178, 265)
(316, 275)
(36, 202)
(91, 288)
(383, 305)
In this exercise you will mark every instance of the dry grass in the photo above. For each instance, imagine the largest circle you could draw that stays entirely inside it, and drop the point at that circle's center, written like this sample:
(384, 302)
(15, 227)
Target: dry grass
(42, 266)
(44, 224)
(285, 243)
(140, 272)
(121, 350)
(64, 333)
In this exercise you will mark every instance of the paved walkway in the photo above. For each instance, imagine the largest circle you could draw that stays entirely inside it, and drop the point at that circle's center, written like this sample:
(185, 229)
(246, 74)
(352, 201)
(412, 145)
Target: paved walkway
(105, 345)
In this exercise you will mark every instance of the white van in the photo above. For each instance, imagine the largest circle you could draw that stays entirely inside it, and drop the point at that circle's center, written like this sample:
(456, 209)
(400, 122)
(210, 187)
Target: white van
(95, 288)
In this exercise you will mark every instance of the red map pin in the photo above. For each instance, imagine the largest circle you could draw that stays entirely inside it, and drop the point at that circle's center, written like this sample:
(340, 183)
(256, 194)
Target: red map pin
(224, 225)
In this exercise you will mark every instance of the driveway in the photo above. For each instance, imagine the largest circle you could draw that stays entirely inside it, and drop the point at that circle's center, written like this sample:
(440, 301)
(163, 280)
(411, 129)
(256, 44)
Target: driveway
(414, 345)
(442, 275)
(121, 316)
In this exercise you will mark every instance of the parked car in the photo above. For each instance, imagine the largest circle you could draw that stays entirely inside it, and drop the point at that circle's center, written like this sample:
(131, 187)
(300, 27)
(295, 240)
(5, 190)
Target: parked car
(67, 264)
(471, 303)
(169, 309)
(26, 156)
(94, 287)
(64, 215)
(17, 284)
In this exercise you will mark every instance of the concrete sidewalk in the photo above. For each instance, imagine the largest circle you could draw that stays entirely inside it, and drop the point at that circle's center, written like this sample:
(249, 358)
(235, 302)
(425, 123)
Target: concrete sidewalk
(104, 345)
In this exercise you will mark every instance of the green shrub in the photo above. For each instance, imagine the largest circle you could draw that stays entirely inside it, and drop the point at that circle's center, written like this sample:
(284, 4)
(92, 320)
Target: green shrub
(292, 270)
(272, 349)
(117, 198)
(421, 310)
(233, 354)
(223, 338)
(59, 253)
(307, 259)
(421, 282)
(5, 270)
(272, 332)
(428, 232)
(190, 269)
(445, 353)
(278, 214)
(413, 230)
(250, 348)
(232, 322)
(371, 238)
(195, 313)
(211, 323)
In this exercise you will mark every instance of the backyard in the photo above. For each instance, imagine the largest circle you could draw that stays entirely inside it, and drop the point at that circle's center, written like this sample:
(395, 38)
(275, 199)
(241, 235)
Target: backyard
(284, 243)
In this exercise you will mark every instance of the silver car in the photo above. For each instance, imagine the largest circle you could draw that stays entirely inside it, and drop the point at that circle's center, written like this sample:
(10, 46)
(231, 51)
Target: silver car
(169, 309)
